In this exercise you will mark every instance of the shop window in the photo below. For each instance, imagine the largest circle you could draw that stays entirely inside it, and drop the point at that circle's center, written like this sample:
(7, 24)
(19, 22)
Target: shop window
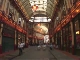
(7, 8)
(77, 31)
(70, 37)
(11, 12)
(1, 1)
(19, 21)
(10, 15)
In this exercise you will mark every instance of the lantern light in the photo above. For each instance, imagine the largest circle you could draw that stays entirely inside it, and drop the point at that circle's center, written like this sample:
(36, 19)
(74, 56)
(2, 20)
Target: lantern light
(34, 7)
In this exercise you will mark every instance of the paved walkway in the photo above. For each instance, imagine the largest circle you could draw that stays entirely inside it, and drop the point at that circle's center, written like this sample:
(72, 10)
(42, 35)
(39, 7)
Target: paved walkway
(32, 53)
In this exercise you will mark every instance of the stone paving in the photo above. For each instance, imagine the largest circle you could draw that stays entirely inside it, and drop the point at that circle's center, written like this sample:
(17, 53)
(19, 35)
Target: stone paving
(32, 53)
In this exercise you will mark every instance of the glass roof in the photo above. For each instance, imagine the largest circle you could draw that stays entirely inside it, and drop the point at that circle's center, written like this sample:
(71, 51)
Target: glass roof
(39, 19)
(42, 4)
(45, 7)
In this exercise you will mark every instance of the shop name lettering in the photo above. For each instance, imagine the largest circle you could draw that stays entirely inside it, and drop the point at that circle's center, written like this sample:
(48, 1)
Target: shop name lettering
(8, 35)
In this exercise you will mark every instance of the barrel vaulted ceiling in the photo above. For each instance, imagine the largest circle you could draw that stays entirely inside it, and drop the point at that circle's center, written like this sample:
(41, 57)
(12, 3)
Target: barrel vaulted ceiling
(45, 7)
(43, 13)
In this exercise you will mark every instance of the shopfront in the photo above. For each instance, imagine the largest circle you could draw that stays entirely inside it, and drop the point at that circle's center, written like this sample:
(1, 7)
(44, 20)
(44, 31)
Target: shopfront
(71, 36)
(66, 38)
(7, 38)
(76, 23)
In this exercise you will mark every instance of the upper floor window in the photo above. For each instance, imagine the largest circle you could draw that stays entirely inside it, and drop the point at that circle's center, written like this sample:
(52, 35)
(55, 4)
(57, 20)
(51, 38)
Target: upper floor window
(1, 1)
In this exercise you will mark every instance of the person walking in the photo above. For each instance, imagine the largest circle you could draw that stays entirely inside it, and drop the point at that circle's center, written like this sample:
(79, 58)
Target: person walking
(51, 46)
(23, 45)
(20, 46)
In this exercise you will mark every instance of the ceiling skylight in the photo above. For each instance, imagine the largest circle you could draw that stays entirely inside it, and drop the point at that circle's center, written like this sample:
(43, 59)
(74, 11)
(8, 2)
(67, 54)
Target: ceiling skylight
(42, 4)
(39, 19)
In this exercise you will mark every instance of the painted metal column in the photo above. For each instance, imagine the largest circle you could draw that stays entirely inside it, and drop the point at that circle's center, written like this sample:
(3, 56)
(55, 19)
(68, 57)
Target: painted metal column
(61, 40)
(56, 39)
(53, 40)
(27, 40)
(1, 28)
(73, 37)
(36, 41)
(33, 41)
(15, 42)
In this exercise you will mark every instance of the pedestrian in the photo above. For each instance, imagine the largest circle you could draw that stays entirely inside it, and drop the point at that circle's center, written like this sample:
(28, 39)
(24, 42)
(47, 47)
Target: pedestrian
(20, 46)
(51, 46)
(23, 45)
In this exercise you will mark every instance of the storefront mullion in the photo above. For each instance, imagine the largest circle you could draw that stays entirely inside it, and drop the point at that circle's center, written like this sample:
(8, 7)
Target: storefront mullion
(70, 38)
(66, 37)
(59, 39)
(54, 39)
(66, 34)
(19, 37)
(67, 31)
(63, 34)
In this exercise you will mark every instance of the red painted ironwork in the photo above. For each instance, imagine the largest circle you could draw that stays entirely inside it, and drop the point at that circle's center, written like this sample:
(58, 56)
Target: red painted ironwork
(74, 11)
(5, 19)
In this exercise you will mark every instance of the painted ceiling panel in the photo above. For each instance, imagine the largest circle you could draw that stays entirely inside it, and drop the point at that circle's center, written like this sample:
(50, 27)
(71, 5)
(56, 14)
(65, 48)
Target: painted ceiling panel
(41, 28)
